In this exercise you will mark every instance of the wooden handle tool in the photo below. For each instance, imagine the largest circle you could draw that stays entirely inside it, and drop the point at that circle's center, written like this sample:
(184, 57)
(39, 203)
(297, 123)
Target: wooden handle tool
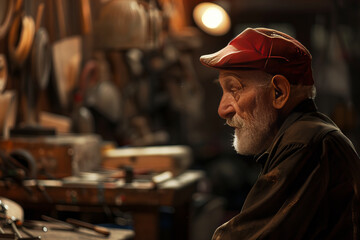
(98, 229)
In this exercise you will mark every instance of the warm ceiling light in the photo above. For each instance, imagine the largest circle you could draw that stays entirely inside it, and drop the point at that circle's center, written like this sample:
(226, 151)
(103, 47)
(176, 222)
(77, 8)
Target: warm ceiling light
(211, 18)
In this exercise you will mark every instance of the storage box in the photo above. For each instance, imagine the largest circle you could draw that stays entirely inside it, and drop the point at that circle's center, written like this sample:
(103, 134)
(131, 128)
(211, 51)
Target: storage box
(174, 158)
(59, 156)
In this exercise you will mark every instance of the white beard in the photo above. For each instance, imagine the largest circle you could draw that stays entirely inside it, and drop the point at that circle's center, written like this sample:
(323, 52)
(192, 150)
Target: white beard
(254, 135)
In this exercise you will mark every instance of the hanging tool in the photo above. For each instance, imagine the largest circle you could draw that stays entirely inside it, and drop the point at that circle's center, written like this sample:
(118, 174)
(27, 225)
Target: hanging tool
(19, 47)
(66, 58)
(3, 72)
(7, 11)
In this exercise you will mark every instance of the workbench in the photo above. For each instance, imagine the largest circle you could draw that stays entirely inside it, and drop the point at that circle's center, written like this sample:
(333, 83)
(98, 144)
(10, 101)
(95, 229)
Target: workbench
(56, 232)
(142, 198)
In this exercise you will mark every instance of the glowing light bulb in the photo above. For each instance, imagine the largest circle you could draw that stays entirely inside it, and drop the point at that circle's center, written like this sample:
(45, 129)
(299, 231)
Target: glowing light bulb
(212, 17)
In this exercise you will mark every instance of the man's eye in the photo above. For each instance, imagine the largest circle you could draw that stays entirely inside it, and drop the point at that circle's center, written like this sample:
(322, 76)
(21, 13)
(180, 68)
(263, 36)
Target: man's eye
(235, 89)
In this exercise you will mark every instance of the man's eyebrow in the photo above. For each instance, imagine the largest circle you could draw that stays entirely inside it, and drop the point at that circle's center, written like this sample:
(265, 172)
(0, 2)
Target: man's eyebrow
(236, 75)
(233, 74)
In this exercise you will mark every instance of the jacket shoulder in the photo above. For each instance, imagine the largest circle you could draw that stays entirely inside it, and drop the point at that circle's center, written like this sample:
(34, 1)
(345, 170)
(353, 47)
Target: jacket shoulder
(309, 128)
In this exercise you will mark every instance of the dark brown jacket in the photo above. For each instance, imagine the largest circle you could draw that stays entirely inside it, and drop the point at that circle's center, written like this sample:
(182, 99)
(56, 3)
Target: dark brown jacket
(306, 188)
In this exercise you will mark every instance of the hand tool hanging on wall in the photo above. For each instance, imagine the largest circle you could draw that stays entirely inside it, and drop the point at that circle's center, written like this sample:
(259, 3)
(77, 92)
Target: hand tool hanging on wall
(155, 25)
(67, 57)
(86, 18)
(40, 72)
(8, 101)
(86, 29)
(41, 53)
(38, 69)
(20, 40)
(6, 15)
(20, 45)
(83, 120)
(104, 101)
(6, 98)
(3, 72)
(40, 66)
(104, 97)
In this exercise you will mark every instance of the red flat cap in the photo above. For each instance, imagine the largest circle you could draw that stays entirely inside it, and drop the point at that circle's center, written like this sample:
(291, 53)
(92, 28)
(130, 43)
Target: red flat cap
(265, 49)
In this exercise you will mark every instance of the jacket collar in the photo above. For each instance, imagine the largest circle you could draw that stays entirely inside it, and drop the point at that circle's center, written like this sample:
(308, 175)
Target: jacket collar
(305, 106)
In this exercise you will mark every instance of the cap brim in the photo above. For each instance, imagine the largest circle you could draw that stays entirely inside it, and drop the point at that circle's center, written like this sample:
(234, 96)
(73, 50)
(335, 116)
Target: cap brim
(230, 56)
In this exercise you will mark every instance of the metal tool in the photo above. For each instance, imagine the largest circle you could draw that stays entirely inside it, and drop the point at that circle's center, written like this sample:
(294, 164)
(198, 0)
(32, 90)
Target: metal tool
(11, 222)
(74, 224)
(31, 237)
(36, 225)
(8, 208)
(98, 229)
(67, 226)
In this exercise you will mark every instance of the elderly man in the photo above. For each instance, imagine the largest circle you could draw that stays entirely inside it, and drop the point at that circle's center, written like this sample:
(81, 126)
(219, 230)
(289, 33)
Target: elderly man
(308, 187)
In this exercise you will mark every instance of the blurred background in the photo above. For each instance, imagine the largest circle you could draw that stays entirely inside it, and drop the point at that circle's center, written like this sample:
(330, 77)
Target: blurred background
(129, 72)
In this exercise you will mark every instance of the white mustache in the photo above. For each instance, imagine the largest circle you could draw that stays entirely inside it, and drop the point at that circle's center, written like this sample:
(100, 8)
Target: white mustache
(235, 122)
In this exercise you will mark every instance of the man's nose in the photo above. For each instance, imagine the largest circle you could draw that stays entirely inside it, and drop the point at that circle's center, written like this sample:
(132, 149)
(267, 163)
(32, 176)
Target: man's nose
(226, 109)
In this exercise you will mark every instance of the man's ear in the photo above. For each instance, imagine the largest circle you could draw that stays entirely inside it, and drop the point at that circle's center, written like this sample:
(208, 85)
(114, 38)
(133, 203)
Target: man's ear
(281, 91)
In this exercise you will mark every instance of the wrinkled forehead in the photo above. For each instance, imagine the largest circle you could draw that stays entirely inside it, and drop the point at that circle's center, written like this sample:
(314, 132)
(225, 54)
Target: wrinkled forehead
(246, 75)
